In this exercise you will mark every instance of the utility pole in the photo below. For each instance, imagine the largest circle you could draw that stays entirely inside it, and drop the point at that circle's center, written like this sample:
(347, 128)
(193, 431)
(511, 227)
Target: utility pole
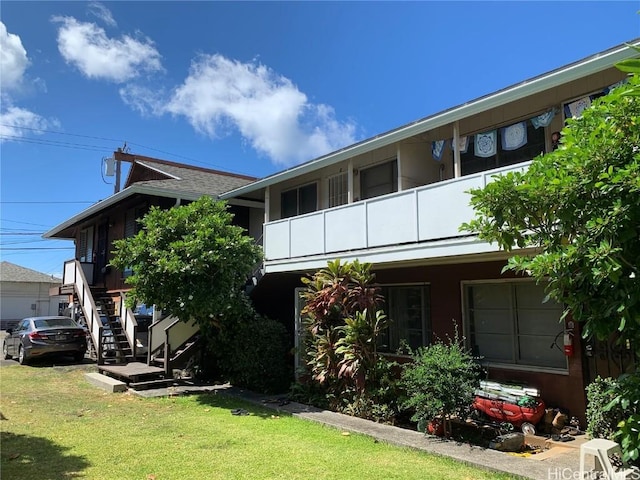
(120, 156)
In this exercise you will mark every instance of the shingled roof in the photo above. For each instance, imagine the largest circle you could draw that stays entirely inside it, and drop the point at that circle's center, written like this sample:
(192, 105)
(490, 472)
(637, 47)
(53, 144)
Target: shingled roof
(163, 174)
(10, 272)
(162, 178)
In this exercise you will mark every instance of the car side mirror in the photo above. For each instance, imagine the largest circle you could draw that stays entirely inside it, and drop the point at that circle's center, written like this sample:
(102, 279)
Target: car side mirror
(9, 331)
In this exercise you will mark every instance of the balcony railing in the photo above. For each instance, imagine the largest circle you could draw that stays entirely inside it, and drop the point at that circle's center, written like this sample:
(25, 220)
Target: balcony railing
(428, 213)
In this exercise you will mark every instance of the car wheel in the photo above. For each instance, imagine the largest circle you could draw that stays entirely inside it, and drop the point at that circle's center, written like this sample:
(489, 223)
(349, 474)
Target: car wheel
(22, 356)
(5, 351)
(78, 356)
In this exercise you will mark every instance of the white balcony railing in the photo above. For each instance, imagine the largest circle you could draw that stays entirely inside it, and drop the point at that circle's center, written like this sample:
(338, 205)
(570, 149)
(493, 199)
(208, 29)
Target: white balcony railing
(428, 213)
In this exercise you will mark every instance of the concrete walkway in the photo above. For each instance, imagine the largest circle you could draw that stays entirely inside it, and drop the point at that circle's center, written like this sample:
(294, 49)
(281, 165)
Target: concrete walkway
(560, 461)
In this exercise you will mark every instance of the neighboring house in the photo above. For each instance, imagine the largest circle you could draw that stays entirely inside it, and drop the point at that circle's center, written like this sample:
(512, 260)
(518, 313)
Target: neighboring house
(397, 200)
(97, 288)
(25, 293)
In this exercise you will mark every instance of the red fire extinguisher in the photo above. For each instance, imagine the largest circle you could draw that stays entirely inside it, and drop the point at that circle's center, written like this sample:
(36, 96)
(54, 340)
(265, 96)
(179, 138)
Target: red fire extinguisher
(568, 344)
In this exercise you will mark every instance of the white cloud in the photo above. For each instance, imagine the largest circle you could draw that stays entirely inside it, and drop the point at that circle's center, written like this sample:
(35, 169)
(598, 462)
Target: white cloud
(16, 123)
(13, 60)
(88, 48)
(103, 13)
(266, 108)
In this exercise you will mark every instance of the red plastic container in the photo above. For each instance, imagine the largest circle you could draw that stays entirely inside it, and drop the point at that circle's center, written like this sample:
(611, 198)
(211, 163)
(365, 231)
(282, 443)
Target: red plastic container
(503, 411)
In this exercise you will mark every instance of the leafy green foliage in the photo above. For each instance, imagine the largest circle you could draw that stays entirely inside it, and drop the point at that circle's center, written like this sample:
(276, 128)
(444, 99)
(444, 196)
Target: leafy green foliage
(602, 422)
(613, 412)
(190, 261)
(344, 322)
(253, 353)
(626, 400)
(578, 210)
(579, 207)
(440, 382)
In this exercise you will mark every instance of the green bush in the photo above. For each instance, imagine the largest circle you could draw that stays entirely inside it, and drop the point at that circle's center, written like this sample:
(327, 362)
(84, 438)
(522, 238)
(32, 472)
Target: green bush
(343, 323)
(627, 400)
(253, 353)
(440, 382)
(613, 412)
(600, 422)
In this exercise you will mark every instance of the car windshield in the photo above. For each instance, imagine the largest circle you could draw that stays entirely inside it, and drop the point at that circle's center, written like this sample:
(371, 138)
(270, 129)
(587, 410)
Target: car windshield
(54, 322)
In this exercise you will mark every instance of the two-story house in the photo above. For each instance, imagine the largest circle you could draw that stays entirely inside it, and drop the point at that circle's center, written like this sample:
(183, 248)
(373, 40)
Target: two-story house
(98, 290)
(397, 200)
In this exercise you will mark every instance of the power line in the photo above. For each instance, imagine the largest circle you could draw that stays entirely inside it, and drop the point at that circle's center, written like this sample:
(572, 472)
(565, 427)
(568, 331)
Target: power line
(9, 230)
(37, 248)
(97, 148)
(50, 202)
(59, 133)
(26, 223)
(53, 143)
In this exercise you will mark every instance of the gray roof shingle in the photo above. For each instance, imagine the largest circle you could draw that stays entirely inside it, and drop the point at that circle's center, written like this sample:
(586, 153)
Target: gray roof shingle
(192, 179)
(10, 272)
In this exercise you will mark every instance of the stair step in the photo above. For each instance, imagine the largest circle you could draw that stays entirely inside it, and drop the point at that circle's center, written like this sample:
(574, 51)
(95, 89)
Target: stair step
(148, 384)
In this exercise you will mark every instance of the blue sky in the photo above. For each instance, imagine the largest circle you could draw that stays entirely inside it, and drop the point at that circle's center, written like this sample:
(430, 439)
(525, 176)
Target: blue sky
(246, 87)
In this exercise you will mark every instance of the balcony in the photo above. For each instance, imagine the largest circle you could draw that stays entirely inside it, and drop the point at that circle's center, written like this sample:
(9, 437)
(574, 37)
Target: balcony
(419, 223)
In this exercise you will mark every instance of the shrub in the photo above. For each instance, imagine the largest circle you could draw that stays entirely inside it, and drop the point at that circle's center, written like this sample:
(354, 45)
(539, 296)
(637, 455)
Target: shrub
(344, 322)
(613, 412)
(602, 423)
(253, 353)
(627, 400)
(440, 382)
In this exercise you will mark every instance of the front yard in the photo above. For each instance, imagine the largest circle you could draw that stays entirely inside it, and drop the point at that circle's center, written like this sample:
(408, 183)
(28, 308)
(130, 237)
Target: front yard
(56, 426)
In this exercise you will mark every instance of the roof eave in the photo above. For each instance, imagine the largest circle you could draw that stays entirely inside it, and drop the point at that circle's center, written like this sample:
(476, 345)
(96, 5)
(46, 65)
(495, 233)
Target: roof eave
(116, 198)
(593, 64)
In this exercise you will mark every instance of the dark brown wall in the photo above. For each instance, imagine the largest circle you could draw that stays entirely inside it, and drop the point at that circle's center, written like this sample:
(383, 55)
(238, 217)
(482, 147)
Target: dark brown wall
(274, 297)
(558, 390)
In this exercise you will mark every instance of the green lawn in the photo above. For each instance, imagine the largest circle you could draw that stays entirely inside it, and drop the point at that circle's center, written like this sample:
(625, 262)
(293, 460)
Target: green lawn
(58, 426)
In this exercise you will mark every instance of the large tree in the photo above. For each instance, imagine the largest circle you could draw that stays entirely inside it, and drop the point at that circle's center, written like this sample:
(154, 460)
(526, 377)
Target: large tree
(578, 208)
(189, 261)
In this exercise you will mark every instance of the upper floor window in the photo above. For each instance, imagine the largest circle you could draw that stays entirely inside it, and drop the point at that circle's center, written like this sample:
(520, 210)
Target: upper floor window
(85, 245)
(131, 221)
(299, 201)
(534, 146)
(379, 180)
(131, 228)
(511, 323)
(338, 189)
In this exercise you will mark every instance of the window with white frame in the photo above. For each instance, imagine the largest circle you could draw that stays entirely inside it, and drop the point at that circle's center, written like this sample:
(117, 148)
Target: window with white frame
(299, 201)
(408, 313)
(511, 323)
(338, 189)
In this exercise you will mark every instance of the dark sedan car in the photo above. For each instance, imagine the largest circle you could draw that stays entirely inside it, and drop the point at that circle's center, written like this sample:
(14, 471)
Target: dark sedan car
(39, 336)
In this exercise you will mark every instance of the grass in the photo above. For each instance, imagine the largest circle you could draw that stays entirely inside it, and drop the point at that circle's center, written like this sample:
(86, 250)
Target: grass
(57, 426)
